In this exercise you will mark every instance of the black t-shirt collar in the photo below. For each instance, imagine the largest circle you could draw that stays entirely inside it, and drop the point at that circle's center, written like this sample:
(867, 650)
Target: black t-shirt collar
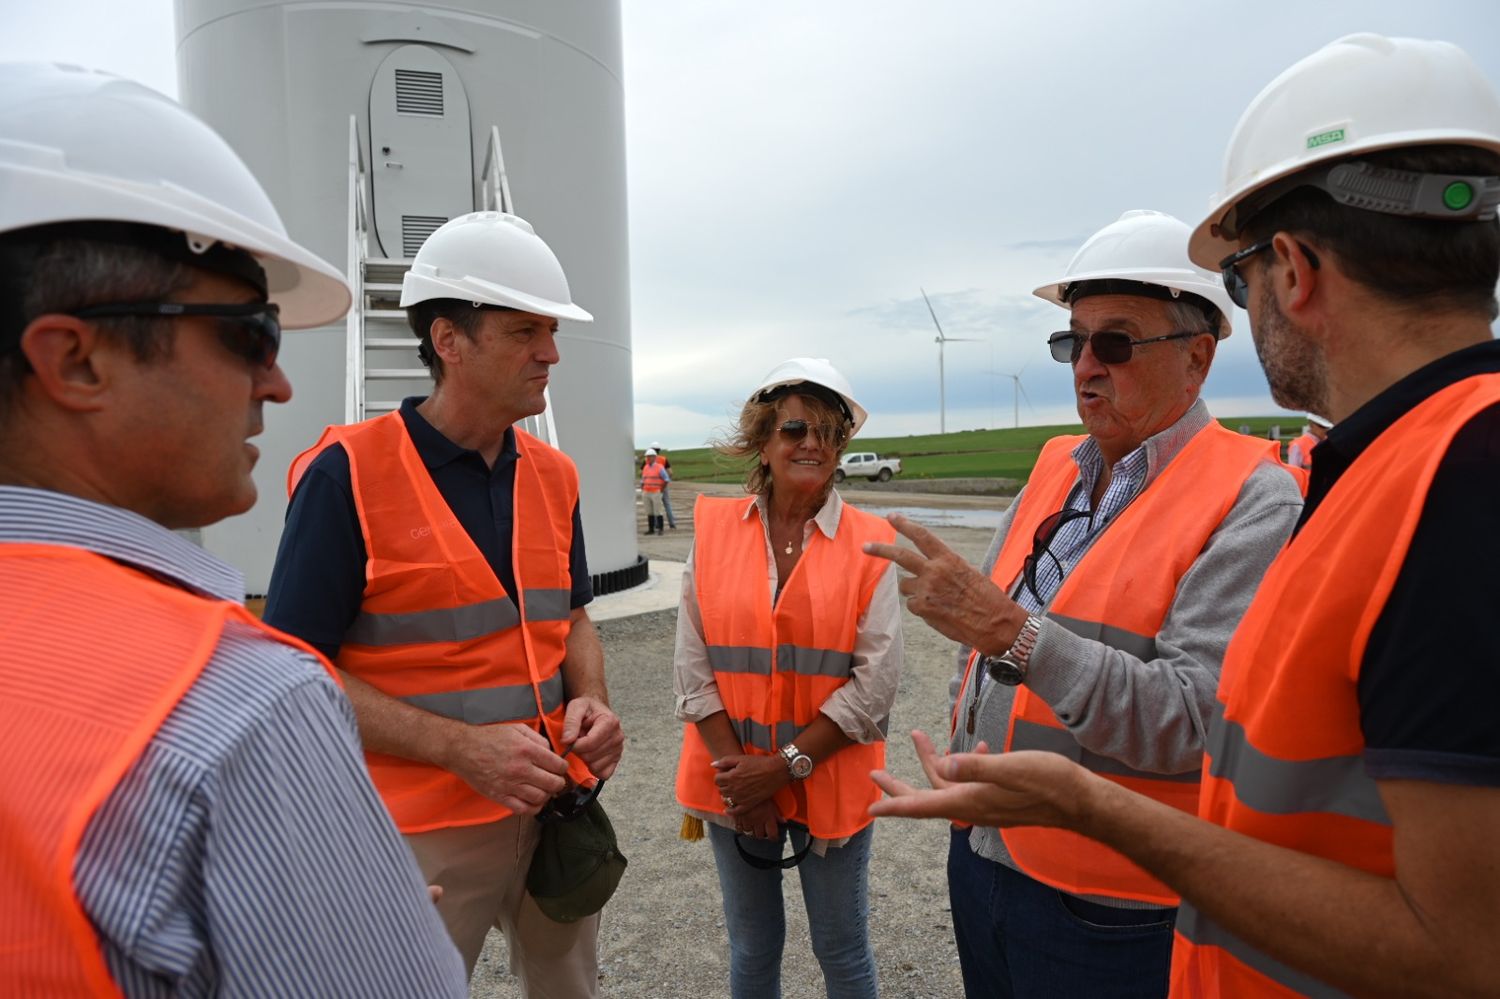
(436, 450)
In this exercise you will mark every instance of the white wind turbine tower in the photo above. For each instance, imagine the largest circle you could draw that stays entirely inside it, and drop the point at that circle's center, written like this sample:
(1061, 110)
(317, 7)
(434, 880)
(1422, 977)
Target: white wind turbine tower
(940, 339)
(1019, 390)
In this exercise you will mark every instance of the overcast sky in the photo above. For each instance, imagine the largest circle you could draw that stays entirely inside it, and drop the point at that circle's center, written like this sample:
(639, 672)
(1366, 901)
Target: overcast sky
(798, 171)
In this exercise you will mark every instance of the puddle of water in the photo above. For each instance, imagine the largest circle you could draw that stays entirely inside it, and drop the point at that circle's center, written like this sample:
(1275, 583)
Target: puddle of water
(929, 516)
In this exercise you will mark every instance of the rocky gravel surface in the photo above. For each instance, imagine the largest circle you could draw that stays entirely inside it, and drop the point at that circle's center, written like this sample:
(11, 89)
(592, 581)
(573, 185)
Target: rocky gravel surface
(663, 933)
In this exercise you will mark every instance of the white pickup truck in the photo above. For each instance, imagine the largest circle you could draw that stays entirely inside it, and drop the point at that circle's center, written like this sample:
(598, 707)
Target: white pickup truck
(867, 464)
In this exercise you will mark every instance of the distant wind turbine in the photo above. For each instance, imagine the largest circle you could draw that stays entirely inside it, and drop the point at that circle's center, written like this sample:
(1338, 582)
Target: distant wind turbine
(940, 340)
(1018, 390)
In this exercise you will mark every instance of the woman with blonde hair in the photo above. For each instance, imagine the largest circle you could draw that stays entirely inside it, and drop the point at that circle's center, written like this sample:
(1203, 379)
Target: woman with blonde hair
(788, 656)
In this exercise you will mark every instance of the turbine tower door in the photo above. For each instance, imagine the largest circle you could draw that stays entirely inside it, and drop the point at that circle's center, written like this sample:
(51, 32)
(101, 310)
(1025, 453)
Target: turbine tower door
(421, 149)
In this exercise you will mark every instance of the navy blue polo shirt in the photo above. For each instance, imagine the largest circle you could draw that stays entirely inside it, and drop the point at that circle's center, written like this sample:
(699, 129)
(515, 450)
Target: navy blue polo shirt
(1430, 677)
(319, 578)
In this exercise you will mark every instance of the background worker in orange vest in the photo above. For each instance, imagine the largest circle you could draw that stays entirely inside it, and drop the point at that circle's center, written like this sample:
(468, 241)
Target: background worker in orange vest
(467, 650)
(1299, 452)
(654, 479)
(185, 812)
(1351, 791)
(787, 662)
(1098, 625)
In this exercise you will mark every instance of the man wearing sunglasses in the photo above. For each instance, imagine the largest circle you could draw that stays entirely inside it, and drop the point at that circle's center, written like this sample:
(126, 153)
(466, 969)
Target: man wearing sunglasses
(436, 555)
(1113, 585)
(185, 808)
(1346, 840)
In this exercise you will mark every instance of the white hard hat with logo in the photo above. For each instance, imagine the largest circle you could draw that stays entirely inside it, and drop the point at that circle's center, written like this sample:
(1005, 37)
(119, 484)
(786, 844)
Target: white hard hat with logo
(78, 146)
(1359, 94)
(1141, 253)
(491, 258)
(817, 371)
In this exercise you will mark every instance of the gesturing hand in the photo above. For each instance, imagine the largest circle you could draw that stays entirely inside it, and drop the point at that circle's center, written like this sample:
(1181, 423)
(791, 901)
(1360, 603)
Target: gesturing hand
(510, 764)
(593, 732)
(998, 790)
(950, 594)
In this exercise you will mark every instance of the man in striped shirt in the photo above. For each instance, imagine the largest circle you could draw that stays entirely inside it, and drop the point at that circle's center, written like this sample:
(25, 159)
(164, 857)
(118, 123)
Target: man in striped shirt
(219, 834)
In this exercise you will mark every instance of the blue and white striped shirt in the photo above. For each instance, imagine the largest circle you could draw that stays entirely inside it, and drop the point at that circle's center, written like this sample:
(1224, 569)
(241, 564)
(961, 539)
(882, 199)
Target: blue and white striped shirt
(245, 853)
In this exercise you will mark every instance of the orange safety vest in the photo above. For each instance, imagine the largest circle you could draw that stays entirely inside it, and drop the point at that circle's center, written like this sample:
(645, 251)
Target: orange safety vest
(1285, 759)
(776, 666)
(436, 629)
(652, 480)
(1301, 449)
(1119, 593)
(96, 656)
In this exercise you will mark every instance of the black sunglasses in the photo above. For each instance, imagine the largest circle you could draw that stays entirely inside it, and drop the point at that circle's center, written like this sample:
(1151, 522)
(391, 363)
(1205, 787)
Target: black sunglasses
(250, 330)
(1041, 545)
(570, 802)
(1110, 346)
(829, 434)
(1234, 281)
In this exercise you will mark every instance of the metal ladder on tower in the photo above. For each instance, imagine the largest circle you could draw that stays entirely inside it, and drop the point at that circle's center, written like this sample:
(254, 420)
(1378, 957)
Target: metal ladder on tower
(382, 366)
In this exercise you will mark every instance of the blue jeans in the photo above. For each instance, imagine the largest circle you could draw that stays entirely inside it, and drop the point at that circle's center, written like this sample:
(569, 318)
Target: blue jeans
(666, 503)
(836, 891)
(1018, 937)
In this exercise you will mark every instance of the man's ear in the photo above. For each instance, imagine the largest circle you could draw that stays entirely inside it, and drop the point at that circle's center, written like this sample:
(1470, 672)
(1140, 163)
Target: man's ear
(445, 340)
(1293, 270)
(71, 360)
(1201, 355)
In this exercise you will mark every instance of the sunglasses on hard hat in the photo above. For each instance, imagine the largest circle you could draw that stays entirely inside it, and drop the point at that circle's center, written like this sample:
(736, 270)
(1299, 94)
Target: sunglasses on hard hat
(1110, 346)
(828, 434)
(249, 330)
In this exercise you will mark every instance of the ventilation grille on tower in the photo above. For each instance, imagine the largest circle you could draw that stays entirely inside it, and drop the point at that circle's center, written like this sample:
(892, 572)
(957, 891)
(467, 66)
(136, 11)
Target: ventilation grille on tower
(419, 92)
(414, 232)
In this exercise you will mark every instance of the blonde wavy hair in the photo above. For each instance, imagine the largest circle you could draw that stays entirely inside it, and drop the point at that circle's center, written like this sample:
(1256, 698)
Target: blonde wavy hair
(757, 423)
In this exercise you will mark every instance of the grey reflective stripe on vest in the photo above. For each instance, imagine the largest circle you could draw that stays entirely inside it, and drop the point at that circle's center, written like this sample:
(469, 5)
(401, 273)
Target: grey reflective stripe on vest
(548, 605)
(813, 662)
(739, 659)
(789, 659)
(1030, 735)
(448, 624)
(487, 705)
(1143, 647)
(1204, 932)
(753, 733)
(1332, 784)
(458, 624)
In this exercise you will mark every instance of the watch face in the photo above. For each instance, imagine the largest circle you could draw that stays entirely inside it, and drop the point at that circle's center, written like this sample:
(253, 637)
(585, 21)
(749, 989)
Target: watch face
(801, 767)
(1004, 671)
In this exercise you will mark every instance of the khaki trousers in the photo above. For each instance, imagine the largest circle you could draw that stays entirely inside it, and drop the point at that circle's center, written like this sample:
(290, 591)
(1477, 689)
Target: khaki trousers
(483, 873)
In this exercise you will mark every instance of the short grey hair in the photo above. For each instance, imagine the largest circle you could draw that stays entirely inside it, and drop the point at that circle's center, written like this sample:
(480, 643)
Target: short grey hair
(1189, 316)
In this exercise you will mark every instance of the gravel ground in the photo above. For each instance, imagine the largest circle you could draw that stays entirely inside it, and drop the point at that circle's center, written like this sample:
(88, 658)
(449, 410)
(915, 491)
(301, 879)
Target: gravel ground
(663, 933)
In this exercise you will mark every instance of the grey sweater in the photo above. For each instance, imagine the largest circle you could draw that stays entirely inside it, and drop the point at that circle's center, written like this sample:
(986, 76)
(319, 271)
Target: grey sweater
(1149, 714)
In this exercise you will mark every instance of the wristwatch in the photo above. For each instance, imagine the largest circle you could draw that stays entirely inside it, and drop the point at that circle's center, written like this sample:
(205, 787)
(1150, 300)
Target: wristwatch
(798, 763)
(1010, 666)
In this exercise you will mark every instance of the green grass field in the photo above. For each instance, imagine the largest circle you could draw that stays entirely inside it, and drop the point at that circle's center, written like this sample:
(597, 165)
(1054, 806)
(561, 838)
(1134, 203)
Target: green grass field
(1006, 454)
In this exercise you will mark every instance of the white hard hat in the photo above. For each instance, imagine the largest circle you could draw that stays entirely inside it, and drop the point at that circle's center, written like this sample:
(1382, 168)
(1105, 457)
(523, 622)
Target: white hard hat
(78, 146)
(1143, 248)
(1359, 94)
(814, 371)
(655, 446)
(494, 259)
(651, 452)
